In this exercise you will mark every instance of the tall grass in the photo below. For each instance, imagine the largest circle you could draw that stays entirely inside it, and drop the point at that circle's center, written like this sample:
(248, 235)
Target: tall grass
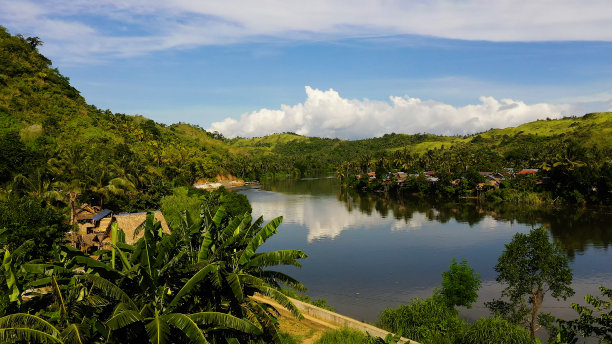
(424, 320)
(495, 330)
(343, 335)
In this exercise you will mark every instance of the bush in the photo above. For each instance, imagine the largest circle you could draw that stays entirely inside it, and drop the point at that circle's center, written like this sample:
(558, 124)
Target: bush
(321, 303)
(495, 330)
(31, 218)
(343, 336)
(424, 320)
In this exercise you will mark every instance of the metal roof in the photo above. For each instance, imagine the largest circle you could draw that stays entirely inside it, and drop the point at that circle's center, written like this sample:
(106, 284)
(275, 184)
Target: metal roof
(99, 216)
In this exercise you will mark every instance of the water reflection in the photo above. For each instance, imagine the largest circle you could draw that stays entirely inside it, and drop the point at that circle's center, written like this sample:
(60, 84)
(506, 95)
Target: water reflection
(370, 251)
(576, 228)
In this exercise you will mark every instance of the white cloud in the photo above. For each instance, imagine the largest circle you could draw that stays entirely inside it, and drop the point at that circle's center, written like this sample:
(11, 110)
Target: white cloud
(156, 25)
(327, 114)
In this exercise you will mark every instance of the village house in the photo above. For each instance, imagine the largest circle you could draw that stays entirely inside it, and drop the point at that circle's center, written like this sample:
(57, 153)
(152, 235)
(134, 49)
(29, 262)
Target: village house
(94, 227)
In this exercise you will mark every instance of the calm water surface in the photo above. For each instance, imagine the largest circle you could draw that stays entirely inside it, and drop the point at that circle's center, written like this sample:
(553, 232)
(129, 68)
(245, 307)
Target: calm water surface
(367, 252)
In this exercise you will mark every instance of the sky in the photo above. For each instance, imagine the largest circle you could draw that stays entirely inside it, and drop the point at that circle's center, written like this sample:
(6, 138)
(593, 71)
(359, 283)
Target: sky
(347, 69)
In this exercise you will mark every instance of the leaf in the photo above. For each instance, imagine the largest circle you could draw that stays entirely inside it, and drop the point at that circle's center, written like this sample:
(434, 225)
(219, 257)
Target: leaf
(123, 319)
(72, 335)
(9, 275)
(124, 260)
(15, 334)
(284, 257)
(219, 215)
(23, 323)
(276, 277)
(277, 296)
(193, 281)
(158, 330)
(108, 288)
(188, 326)
(225, 320)
(59, 296)
(262, 235)
(234, 282)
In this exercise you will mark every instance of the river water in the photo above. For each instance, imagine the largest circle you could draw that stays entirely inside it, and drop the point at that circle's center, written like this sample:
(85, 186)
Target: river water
(367, 252)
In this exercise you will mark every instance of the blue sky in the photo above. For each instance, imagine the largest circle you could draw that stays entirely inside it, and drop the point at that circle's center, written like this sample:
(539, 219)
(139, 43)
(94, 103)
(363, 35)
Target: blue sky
(344, 68)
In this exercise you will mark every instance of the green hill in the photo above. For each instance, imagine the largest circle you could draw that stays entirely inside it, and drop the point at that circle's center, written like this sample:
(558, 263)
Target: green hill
(530, 144)
(52, 141)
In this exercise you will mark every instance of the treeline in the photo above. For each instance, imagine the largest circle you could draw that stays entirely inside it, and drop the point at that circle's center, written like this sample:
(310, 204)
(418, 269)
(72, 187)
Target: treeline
(568, 171)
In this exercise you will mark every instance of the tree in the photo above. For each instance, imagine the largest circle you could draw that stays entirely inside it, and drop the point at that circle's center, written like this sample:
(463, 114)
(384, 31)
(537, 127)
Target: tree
(531, 266)
(31, 218)
(460, 285)
(590, 322)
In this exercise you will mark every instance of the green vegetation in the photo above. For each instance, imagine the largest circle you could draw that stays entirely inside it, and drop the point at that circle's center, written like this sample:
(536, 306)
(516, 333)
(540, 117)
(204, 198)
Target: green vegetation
(191, 285)
(591, 322)
(424, 320)
(495, 330)
(343, 335)
(347, 335)
(531, 266)
(30, 219)
(194, 284)
(321, 303)
(460, 285)
(54, 145)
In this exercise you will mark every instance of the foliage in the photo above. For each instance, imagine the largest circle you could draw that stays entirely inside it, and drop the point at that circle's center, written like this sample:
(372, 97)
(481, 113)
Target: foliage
(49, 136)
(192, 285)
(346, 335)
(495, 330)
(30, 218)
(423, 320)
(343, 335)
(594, 321)
(460, 285)
(530, 266)
(187, 203)
(321, 303)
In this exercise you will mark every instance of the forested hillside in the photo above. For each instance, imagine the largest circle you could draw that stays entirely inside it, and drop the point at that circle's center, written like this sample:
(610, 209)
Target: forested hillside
(53, 144)
(540, 144)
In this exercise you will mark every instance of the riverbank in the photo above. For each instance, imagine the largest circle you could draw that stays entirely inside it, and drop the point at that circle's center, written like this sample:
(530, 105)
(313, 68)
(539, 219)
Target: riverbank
(227, 182)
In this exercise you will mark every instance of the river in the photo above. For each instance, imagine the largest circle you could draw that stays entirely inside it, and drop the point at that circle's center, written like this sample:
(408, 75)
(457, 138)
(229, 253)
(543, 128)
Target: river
(367, 252)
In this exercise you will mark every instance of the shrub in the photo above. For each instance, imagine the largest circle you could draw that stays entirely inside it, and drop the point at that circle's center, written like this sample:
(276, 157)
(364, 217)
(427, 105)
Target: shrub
(495, 330)
(343, 335)
(424, 320)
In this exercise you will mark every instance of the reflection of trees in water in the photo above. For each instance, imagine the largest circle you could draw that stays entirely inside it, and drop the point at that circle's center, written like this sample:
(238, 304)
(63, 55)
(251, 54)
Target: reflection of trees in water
(314, 187)
(576, 229)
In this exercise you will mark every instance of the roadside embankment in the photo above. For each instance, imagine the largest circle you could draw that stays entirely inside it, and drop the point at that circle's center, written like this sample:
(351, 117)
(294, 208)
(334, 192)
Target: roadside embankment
(319, 318)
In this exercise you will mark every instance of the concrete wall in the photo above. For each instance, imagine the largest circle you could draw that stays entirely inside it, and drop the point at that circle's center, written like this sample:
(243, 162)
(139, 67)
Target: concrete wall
(332, 319)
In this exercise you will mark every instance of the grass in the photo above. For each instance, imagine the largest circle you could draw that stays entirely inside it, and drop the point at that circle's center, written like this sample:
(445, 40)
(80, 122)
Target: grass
(343, 336)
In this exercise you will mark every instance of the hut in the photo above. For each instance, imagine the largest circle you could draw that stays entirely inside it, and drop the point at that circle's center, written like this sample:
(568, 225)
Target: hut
(132, 223)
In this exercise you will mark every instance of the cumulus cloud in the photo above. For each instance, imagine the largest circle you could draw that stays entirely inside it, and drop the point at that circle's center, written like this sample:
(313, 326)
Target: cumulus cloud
(124, 28)
(327, 114)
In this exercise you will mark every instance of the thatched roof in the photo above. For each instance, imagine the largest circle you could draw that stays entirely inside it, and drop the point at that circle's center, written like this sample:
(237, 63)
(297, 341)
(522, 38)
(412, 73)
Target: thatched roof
(131, 222)
(86, 212)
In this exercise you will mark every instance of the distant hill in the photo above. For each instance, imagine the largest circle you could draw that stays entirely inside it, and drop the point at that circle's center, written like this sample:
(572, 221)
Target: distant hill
(589, 131)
